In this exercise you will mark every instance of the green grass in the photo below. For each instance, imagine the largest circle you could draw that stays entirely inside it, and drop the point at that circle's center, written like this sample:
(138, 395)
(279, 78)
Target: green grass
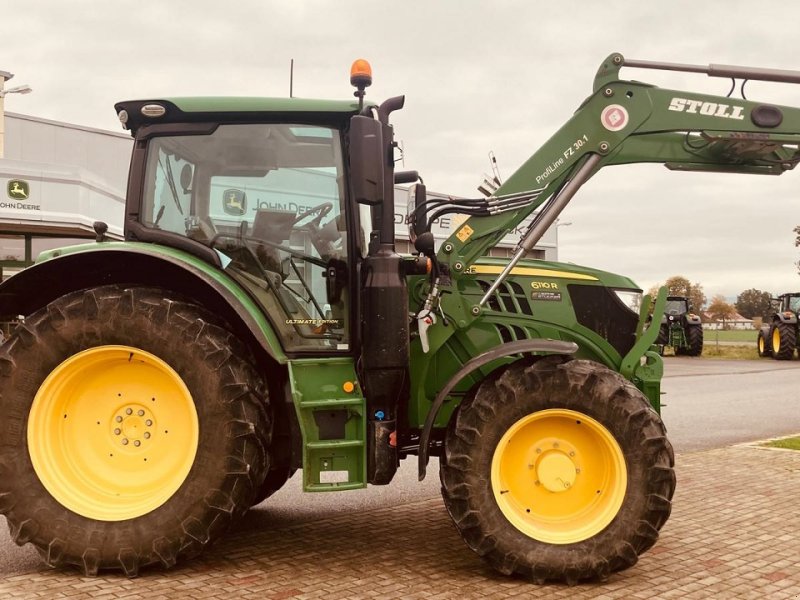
(711, 335)
(792, 443)
(731, 352)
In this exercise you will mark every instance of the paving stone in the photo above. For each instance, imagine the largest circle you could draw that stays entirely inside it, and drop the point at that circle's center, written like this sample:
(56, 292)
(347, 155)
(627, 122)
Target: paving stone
(733, 534)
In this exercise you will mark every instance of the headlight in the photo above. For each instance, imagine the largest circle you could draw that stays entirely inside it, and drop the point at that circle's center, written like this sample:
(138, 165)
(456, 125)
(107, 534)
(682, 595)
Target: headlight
(631, 299)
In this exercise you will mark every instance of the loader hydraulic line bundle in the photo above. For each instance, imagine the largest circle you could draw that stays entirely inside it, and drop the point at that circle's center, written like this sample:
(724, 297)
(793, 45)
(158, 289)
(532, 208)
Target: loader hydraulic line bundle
(258, 320)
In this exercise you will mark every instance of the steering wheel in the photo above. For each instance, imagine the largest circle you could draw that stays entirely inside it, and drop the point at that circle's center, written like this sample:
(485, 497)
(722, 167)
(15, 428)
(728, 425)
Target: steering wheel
(321, 210)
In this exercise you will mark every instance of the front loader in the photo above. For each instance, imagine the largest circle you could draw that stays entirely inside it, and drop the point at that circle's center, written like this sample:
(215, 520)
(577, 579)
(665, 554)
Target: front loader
(258, 320)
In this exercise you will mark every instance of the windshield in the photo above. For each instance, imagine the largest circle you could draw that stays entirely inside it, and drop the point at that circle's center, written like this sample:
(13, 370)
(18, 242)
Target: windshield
(268, 198)
(675, 307)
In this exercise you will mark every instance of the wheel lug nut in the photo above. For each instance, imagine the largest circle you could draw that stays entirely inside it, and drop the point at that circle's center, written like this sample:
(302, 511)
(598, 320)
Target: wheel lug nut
(119, 419)
(124, 441)
(538, 451)
(140, 413)
(555, 444)
(117, 431)
(137, 443)
(128, 411)
(147, 435)
(148, 422)
(572, 453)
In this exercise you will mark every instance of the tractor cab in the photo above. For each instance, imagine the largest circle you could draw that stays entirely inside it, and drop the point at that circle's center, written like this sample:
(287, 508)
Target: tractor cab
(790, 302)
(266, 201)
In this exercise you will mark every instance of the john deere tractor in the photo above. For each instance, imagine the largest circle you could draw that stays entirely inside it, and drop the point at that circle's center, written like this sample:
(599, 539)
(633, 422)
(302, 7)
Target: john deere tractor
(257, 320)
(680, 329)
(780, 336)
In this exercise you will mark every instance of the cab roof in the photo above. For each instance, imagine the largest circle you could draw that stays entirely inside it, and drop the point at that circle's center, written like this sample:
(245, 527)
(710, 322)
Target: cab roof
(232, 109)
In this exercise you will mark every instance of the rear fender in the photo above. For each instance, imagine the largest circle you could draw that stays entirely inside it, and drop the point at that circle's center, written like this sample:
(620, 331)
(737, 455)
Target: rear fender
(130, 264)
(786, 317)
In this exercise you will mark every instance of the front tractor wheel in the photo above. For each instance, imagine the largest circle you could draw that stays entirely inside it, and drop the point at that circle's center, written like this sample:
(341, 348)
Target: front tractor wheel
(135, 432)
(764, 348)
(558, 471)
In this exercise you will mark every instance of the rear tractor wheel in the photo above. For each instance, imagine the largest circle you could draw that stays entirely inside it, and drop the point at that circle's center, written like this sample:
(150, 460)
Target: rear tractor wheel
(134, 431)
(784, 340)
(558, 471)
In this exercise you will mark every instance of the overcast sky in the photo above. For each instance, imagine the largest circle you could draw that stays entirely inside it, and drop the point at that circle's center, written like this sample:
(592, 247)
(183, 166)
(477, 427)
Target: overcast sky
(497, 76)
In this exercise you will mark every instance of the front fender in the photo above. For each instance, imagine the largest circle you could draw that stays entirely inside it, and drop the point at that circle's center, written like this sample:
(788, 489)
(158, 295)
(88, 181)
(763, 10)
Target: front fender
(80, 267)
(504, 350)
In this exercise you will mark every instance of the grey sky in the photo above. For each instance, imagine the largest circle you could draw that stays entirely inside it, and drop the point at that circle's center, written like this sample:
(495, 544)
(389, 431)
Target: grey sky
(496, 76)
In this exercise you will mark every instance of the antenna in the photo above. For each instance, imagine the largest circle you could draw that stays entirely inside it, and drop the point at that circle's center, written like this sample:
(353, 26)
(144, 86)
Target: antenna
(291, 77)
(491, 184)
(495, 170)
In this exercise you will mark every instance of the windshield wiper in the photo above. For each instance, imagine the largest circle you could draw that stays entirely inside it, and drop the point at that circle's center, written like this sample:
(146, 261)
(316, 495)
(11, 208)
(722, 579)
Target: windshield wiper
(171, 182)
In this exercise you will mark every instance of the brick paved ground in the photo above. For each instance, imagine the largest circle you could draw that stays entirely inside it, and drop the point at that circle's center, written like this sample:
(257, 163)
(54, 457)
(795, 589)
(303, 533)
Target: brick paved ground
(734, 533)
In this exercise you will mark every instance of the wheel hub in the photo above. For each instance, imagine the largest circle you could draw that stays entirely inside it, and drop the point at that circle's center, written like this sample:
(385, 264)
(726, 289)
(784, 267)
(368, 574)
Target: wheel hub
(559, 476)
(112, 433)
(133, 425)
(556, 471)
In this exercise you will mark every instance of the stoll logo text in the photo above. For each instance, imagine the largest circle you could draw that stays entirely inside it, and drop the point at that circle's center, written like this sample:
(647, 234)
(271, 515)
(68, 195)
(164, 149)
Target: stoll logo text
(710, 109)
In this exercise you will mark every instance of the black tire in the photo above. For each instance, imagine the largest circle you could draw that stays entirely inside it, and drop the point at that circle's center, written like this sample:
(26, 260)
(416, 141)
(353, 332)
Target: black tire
(784, 340)
(522, 391)
(694, 337)
(233, 428)
(763, 346)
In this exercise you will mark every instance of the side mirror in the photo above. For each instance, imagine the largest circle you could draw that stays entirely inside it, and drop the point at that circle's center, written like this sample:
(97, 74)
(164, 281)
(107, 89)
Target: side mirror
(417, 211)
(366, 160)
(186, 177)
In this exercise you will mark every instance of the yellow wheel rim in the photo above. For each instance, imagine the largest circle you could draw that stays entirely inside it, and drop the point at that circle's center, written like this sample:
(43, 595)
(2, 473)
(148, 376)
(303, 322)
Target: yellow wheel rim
(761, 344)
(776, 340)
(559, 476)
(112, 433)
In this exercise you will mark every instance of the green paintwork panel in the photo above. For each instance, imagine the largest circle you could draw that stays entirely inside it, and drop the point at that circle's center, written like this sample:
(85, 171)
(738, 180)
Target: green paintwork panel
(255, 104)
(332, 422)
(202, 268)
(535, 303)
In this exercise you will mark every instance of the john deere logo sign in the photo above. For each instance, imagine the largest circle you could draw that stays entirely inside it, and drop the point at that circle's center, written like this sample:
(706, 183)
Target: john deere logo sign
(235, 202)
(18, 189)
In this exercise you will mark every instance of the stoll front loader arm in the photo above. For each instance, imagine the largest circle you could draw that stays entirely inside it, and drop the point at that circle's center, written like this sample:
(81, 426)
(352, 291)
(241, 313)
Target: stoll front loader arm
(621, 122)
(633, 122)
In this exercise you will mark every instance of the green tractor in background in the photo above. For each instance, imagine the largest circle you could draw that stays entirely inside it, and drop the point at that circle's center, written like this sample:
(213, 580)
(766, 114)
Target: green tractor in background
(780, 336)
(258, 320)
(680, 328)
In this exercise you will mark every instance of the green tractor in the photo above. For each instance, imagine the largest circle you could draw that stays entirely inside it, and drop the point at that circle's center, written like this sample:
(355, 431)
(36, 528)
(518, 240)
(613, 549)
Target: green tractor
(258, 320)
(781, 335)
(680, 328)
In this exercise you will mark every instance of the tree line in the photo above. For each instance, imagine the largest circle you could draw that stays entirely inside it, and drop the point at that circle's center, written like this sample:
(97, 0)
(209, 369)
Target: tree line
(752, 303)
